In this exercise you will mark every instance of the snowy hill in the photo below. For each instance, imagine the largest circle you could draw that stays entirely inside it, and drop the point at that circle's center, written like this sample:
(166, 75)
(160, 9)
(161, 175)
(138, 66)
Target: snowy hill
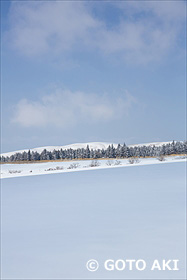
(92, 145)
(57, 165)
(156, 144)
(32, 169)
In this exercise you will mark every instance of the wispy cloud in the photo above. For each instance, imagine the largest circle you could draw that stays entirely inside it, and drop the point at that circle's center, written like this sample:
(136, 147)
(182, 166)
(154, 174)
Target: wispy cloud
(43, 26)
(146, 31)
(65, 108)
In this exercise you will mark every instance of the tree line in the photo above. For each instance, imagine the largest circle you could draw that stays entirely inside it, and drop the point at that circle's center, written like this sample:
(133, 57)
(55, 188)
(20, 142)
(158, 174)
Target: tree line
(121, 151)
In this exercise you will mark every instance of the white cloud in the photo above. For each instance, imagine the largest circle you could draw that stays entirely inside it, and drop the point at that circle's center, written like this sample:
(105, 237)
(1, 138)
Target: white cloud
(40, 27)
(64, 108)
(57, 27)
(163, 10)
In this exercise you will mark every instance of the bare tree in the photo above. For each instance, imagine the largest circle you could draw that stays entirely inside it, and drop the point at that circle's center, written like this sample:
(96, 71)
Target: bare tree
(109, 163)
(14, 171)
(117, 162)
(94, 163)
(74, 166)
(131, 160)
(50, 169)
(59, 168)
(137, 160)
(161, 158)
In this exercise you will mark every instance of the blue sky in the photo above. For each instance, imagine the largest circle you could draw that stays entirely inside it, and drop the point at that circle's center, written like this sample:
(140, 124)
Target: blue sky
(92, 71)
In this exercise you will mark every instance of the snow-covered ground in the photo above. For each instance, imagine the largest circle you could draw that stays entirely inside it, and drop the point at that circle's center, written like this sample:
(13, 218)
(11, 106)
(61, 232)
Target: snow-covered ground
(52, 225)
(92, 145)
(51, 167)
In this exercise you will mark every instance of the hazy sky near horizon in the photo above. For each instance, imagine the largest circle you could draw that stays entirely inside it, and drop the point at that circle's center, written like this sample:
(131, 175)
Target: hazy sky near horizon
(92, 71)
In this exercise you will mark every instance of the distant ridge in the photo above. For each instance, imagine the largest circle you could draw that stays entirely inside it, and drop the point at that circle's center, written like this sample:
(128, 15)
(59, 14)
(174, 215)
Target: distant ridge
(92, 145)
